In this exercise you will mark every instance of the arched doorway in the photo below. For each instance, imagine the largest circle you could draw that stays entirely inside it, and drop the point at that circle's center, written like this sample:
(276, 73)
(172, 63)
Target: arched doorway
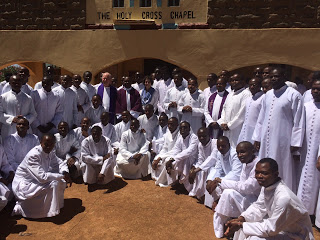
(143, 65)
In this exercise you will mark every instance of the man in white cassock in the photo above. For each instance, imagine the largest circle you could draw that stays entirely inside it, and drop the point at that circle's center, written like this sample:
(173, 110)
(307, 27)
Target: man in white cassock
(237, 196)
(17, 145)
(68, 149)
(83, 101)
(183, 155)
(48, 107)
(279, 129)
(161, 129)
(40, 181)
(148, 122)
(108, 130)
(211, 89)
(24, 75)
(169, 141)
(6, 177)
(96, 109)
(96, 155)
(277, 213)
(85, 84)
(68, 99)
(124, 125)
(133, 157)
(191, 105)
(173, 96)
(214, 106)
(163, 87)
(252, 110)
(309, 180)
(13, 104)
(84, 130)
(227, 167)
(207, 151)
(232, 116)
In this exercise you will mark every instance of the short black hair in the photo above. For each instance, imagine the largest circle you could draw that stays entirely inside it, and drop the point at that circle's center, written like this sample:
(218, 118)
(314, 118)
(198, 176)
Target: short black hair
(272, 163)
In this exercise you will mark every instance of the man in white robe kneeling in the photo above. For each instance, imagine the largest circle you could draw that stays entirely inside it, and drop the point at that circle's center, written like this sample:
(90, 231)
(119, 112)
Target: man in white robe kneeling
(228, 167)
(183, 155)
(277, 214)
(207, 151)
(133, 159)
(170, 139)
(97, 158)
(237, 196)
(40, 181)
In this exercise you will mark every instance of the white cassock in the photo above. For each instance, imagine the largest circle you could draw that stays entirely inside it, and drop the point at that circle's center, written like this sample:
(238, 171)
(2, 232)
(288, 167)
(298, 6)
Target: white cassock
(120, 128)
(38, 85)
(26, 88)
(138, 86)
(206, 159)
(2, 84)
(82, 100)
(227, 167)
(197, 102)
(90, 90)
(169, 141)
(68, 99)
(109, 132)
(184, 153)
(94, 114)
(12, 105)
(38, 185)
(310, 176)
(130, 144)
(277, 214)
(16, 147)
(252, 110)
(48, 108)
(173, 95)
(279, 126)
(233, 114)
(214, 117)
(317, 221)
(207, 92)
(5, 169)
(236, 197)
(68, 147)
(149, 125)
(78, 133)
(158, 139)
(92, 157)
(307, 96)
(292, 84)
(163, 87)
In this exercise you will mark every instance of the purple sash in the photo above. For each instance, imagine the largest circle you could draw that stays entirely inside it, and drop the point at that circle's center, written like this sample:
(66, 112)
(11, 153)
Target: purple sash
(210, 106)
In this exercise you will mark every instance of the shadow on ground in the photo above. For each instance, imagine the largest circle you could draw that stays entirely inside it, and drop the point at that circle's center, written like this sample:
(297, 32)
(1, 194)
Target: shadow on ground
(72, 207)
(115, 185)
(8, 224)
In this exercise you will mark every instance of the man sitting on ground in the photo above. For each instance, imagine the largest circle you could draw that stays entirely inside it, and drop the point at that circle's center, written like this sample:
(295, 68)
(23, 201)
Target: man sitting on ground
(133, 158)
(97, 158)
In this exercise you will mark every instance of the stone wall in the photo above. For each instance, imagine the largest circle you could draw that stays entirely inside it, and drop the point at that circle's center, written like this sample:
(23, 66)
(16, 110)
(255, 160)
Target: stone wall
(255, 14)
(42, 14)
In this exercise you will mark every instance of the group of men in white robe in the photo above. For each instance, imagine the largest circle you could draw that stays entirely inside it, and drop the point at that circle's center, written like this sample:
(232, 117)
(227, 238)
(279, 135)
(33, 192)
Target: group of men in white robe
(178, 149)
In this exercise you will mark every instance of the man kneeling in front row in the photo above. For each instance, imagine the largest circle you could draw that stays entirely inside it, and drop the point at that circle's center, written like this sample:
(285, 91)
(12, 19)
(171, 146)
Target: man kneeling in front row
(40, 181)
(277, 214)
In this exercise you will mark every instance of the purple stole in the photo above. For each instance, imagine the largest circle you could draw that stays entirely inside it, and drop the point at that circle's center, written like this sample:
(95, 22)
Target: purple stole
(113, 99)
(211, 102)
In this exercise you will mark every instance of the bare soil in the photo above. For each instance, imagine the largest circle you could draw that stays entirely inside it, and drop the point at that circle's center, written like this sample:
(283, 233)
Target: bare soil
(122, 209)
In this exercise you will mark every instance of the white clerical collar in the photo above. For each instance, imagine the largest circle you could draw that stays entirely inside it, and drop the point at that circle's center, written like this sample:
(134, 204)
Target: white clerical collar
(238, 91)
(208, 144)
(221, 93)
(273, 186)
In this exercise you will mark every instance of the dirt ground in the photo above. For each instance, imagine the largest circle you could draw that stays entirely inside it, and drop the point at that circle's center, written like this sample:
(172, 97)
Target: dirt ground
(123, 209)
